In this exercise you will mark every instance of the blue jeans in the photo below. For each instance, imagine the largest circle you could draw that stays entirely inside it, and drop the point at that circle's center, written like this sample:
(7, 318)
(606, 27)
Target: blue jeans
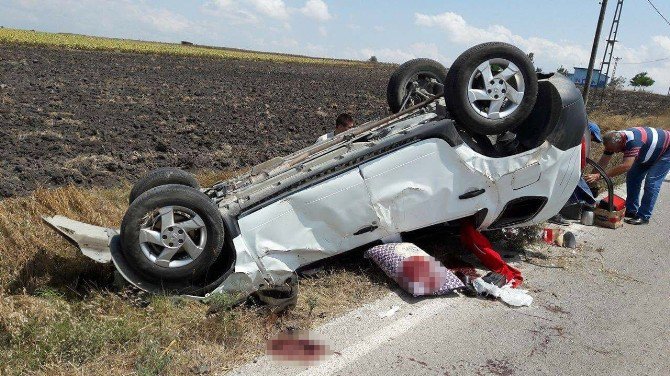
(653, 176)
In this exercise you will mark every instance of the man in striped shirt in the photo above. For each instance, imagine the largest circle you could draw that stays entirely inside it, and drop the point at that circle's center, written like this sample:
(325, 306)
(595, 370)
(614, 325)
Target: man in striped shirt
(645, 157)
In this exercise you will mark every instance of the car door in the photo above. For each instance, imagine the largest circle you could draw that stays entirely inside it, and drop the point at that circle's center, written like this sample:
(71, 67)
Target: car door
(328, 218)
(420, 184)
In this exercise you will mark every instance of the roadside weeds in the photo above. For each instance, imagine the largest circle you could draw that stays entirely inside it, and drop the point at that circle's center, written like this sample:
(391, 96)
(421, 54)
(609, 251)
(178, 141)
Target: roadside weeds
(60, 314)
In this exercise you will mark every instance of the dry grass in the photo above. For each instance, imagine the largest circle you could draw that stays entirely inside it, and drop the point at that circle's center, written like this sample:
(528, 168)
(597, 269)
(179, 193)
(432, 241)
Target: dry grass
(30, 253)
(609, 122)
(207, 178)
(84, 42)
(59, 313)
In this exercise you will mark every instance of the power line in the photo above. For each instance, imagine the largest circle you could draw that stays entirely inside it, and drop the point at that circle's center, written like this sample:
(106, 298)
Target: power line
(656, 60)
(659, 12)
(647, 62)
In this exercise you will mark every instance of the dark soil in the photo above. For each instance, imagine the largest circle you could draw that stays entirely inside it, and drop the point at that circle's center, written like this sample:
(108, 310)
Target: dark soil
(628, 102)
(95, 118)
(98, 118)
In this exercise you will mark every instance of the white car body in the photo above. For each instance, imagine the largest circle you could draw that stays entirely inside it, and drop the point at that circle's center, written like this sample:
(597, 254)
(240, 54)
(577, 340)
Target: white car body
(413, 188)
(407, 175)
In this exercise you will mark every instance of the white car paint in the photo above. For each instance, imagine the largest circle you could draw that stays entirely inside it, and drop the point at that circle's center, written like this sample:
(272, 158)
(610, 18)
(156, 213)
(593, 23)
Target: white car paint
(412, 188)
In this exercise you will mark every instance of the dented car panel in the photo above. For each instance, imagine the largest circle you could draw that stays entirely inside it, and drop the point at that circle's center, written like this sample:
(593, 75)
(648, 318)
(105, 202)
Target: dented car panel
(410, 189)
(326, 217)
(419, 186)
(399, 175)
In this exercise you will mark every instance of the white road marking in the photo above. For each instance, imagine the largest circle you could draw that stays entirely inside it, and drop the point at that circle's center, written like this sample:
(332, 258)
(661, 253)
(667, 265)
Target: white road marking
(368, 344)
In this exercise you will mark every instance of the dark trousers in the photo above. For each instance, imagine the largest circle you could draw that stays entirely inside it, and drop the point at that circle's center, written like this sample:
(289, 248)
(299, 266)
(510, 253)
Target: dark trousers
(653, 176)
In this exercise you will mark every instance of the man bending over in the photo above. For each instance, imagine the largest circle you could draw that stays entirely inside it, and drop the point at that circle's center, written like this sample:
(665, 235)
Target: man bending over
(645, 157)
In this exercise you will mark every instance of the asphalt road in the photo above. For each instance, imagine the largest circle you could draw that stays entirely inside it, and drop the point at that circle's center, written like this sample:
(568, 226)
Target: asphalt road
(605, 312)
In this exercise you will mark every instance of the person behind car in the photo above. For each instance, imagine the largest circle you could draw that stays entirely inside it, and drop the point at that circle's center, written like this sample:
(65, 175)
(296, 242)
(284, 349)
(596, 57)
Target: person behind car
(343, 123)
(594, 129)
(645, 157)
(583, 192)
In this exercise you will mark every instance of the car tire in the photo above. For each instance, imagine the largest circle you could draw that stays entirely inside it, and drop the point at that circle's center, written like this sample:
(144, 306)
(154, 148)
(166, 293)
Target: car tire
(497, 104)
(422, 71)
(160, 251)
(162, 176)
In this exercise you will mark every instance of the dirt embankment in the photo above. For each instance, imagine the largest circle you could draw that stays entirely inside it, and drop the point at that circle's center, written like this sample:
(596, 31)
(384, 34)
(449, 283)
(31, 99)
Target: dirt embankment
(96, 118)
(628, 103)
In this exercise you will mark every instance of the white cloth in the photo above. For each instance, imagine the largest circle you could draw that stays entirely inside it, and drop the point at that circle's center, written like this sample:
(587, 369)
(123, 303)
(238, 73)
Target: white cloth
(509, 295)
(325, 137)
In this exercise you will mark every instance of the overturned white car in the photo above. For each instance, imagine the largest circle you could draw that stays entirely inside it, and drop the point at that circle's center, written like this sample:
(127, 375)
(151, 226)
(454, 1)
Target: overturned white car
(488, 140)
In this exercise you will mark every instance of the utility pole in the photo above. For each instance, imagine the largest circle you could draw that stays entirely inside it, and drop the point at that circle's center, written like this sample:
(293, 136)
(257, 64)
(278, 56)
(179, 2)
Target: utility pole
(616, 62)
(609, 49)
(602, 93)
(594, 51)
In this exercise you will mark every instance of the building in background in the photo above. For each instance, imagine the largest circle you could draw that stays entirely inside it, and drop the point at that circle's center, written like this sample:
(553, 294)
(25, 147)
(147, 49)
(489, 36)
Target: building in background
(597, 80)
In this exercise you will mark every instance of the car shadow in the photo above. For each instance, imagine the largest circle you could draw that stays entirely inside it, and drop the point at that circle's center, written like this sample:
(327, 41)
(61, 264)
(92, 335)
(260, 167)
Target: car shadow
(73, 277)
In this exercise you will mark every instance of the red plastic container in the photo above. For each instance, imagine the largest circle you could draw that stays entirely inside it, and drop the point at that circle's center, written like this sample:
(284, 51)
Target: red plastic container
(618, 202)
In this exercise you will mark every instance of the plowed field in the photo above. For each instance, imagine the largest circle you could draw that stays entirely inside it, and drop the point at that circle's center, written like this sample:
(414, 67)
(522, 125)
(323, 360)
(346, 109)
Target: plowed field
(97, 118)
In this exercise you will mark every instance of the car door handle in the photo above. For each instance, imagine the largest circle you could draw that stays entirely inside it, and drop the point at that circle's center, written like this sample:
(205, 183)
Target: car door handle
(472, 194)
(366, 229)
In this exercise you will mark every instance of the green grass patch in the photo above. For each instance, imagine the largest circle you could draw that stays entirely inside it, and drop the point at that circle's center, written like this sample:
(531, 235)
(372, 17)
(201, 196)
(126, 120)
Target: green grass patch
(84, 42)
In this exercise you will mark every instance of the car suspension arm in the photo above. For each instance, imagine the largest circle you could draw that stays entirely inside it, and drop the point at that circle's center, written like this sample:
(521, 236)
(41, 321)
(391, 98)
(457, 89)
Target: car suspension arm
(355, 132)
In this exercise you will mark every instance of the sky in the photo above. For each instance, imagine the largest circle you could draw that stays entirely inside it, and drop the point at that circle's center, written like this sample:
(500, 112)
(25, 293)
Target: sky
(559, 33)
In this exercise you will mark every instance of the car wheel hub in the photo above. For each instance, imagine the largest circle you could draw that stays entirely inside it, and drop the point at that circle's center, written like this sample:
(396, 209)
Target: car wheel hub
(173, 237)
(496, 89)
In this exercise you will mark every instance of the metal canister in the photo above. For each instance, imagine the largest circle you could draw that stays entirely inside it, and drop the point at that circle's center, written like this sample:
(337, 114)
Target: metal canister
(587, 215)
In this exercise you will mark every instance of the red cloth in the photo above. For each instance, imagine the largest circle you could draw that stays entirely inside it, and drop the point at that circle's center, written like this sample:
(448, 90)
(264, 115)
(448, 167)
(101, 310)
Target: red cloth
(482, 248)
